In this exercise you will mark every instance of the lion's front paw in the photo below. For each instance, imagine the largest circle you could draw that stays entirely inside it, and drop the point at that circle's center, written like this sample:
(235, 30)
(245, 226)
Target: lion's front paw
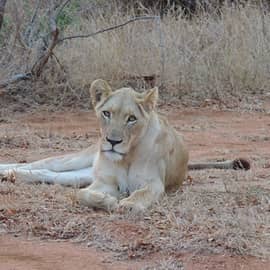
(96, 199)
(130, 206)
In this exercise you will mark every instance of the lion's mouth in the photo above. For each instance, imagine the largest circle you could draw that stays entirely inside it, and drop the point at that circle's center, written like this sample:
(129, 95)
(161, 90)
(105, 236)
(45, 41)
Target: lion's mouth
(113, 151)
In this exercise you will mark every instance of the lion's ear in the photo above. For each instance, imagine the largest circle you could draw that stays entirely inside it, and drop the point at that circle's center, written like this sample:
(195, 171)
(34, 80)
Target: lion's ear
(99, 90)
(150, 99)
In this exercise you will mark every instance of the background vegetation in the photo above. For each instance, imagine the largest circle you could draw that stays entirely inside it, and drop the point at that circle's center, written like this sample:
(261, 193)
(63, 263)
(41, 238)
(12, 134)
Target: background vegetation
(198, 50)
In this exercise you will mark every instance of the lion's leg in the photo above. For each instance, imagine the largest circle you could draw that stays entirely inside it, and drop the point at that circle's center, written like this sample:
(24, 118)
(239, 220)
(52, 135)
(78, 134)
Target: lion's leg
(5, 167)
(141, 199)
(99, 195)
(68, 162)
(71, 169)
(78, 178)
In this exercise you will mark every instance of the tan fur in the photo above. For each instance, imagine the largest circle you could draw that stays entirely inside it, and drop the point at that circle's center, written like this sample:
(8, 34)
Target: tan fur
(153, 157)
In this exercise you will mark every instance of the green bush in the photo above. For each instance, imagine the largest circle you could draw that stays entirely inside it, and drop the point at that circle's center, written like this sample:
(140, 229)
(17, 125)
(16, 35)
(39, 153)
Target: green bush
(68, 15)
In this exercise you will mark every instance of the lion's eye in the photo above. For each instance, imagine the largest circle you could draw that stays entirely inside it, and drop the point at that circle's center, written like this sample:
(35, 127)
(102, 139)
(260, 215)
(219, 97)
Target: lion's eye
(132, 119)
(106, 114)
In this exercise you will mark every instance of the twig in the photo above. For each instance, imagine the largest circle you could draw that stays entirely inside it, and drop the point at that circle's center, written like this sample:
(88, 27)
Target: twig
(58, 62)
(264, 27)
(18, 35)
(2, 11)
(162, 53)
(41, 62)
(29, 30)
(35, 12)
(39, 65)
(109, 28)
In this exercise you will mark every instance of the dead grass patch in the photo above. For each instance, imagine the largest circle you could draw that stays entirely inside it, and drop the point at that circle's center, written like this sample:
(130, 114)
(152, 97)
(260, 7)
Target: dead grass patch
(208, 220)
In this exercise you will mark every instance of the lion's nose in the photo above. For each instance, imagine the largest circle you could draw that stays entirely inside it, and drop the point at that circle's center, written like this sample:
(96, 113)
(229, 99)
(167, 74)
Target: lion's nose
(113, 142)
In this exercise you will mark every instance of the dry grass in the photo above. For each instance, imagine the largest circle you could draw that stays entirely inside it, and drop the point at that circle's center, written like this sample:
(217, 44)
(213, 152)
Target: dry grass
(210, 57)
(206, 218)
(207, 57)
(169, 264)
(222, 57)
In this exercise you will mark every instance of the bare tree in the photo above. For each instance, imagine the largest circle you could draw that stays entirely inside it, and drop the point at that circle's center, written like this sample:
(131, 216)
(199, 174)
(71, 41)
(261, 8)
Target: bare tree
(43, 55)
(2, 11)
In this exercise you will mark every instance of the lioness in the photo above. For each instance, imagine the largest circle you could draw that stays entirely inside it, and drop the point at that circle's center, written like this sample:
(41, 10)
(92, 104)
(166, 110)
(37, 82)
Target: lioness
(138, 154)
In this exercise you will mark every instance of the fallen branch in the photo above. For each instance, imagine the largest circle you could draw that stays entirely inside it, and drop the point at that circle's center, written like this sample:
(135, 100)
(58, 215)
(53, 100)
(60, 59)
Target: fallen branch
(16, 78)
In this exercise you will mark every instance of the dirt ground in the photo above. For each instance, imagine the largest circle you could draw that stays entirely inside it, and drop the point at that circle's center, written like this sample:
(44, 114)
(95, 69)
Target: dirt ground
(219, 220)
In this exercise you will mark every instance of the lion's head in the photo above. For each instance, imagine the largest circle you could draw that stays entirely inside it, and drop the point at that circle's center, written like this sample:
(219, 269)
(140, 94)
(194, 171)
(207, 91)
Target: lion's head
(123, 115)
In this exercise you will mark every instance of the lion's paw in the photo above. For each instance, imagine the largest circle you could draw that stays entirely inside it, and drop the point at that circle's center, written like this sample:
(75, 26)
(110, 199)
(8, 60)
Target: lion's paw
(96, 199)
(127, 205)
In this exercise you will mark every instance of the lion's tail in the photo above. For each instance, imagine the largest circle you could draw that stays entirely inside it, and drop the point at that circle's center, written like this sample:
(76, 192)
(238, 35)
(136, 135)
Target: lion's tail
(236, 164)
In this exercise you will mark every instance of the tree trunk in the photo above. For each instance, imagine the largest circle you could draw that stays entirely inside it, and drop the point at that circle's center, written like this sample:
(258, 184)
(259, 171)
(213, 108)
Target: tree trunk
(2, 11)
